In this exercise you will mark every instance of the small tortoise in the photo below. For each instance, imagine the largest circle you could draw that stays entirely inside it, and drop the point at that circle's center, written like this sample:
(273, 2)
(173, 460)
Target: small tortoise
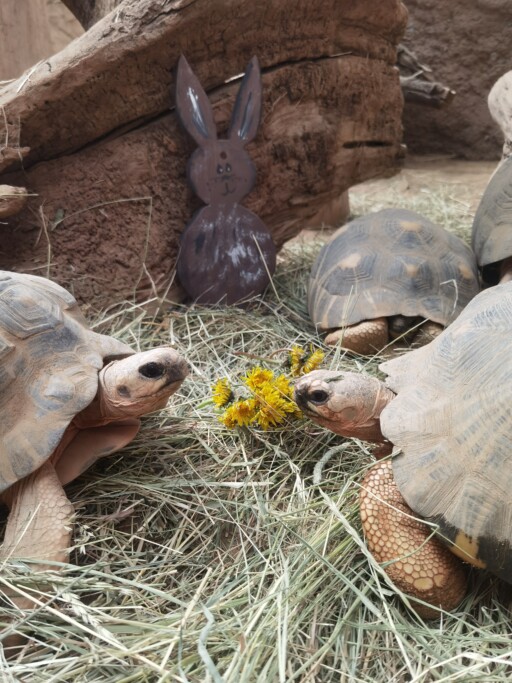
(68, 396)
(491, 237)
(384, 273)
(446, 409)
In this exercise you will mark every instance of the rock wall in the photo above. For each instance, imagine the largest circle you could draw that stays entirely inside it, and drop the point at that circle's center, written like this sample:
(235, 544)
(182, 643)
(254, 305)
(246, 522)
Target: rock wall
(468, 47)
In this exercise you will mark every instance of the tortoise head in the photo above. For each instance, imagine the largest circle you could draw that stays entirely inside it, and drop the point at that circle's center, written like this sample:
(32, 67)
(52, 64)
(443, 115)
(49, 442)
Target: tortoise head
(347, 403)
(140, 383)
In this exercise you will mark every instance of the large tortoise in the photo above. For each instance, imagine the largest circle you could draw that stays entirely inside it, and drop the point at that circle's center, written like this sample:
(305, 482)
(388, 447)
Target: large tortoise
(445, 408)
(383, 274)
(68, 396)
(491, 236)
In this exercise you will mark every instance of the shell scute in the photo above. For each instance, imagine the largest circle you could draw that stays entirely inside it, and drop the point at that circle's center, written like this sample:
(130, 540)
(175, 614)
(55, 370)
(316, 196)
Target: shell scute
(393, 262)
(49, 363)
(451, 422)
(491, 237)
(23, 313)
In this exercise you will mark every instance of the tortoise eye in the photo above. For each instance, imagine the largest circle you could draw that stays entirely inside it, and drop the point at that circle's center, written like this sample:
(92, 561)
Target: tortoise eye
(318, 396)
(152, 370)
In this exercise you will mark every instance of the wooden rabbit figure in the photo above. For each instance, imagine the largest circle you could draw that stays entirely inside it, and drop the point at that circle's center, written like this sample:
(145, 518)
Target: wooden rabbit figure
(227, 253)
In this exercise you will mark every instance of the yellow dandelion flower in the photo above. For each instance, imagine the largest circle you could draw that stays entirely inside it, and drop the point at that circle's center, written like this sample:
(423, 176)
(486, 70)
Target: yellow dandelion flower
(222, 392)
(296, 357)
(267, 417)
(284, 386)
(271, 415)
(301, 362)
(271, 402)
(313, 361)
(257, 377)
(264, 394)
(227, 418)
(274, 408)
(239, 414)
(297, 412)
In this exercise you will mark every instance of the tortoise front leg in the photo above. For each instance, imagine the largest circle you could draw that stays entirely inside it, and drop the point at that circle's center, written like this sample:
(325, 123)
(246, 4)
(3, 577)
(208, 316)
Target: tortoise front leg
(419, 564)
(427, 333)
(89, 445)
(365, 338)
(39, 524)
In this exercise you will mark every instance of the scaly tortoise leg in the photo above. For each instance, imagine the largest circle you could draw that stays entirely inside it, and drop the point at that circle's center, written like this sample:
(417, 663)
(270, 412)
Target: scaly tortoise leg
(427, 333)
(365, 338)
(38, 528)
(89, 445)
(417, 563)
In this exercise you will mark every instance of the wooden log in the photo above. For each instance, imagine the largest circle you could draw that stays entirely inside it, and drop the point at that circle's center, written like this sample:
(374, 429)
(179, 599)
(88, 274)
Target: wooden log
(12, 200)
(107, 159)
(418, 84)
(431, 94)
(121, 71)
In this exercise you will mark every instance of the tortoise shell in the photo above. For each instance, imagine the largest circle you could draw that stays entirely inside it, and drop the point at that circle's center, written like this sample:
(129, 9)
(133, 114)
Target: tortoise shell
(491, 236)
(49, 363)
(451, 421)
(393, 262)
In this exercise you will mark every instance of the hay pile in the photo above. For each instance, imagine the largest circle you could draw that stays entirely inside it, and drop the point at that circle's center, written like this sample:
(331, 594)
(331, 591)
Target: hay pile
(206, 554)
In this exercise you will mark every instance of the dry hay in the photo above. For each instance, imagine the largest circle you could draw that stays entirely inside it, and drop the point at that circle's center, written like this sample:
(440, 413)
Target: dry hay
(204, 554)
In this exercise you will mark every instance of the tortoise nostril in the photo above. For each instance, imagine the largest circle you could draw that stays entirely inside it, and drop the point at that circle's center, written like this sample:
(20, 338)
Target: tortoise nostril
(152, 370)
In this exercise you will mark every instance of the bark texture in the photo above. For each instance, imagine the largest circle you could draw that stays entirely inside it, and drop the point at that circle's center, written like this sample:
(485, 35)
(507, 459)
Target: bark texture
(12, 200)
(107, 157)
(418, 83)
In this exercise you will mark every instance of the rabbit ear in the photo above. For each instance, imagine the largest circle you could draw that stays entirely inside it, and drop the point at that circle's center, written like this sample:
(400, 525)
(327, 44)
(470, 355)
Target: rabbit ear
(192, 104)
(247, 110)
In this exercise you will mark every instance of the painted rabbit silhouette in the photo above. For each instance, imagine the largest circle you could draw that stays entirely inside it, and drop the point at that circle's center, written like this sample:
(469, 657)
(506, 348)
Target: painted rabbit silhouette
(227, 253)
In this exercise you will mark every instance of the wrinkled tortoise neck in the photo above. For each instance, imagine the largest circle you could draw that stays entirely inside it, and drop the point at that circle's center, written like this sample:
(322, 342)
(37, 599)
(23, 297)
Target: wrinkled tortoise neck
(104, 408)
(371, 396)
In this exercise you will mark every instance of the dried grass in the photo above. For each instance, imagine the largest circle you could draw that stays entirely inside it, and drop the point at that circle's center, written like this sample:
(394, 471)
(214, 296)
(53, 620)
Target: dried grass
(204, 554)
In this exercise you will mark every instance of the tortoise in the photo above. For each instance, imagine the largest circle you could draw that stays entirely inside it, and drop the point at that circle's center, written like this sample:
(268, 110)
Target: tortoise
(491, 236)
(383, 274)
(450, 428)
(68, 396)
(500, 108)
